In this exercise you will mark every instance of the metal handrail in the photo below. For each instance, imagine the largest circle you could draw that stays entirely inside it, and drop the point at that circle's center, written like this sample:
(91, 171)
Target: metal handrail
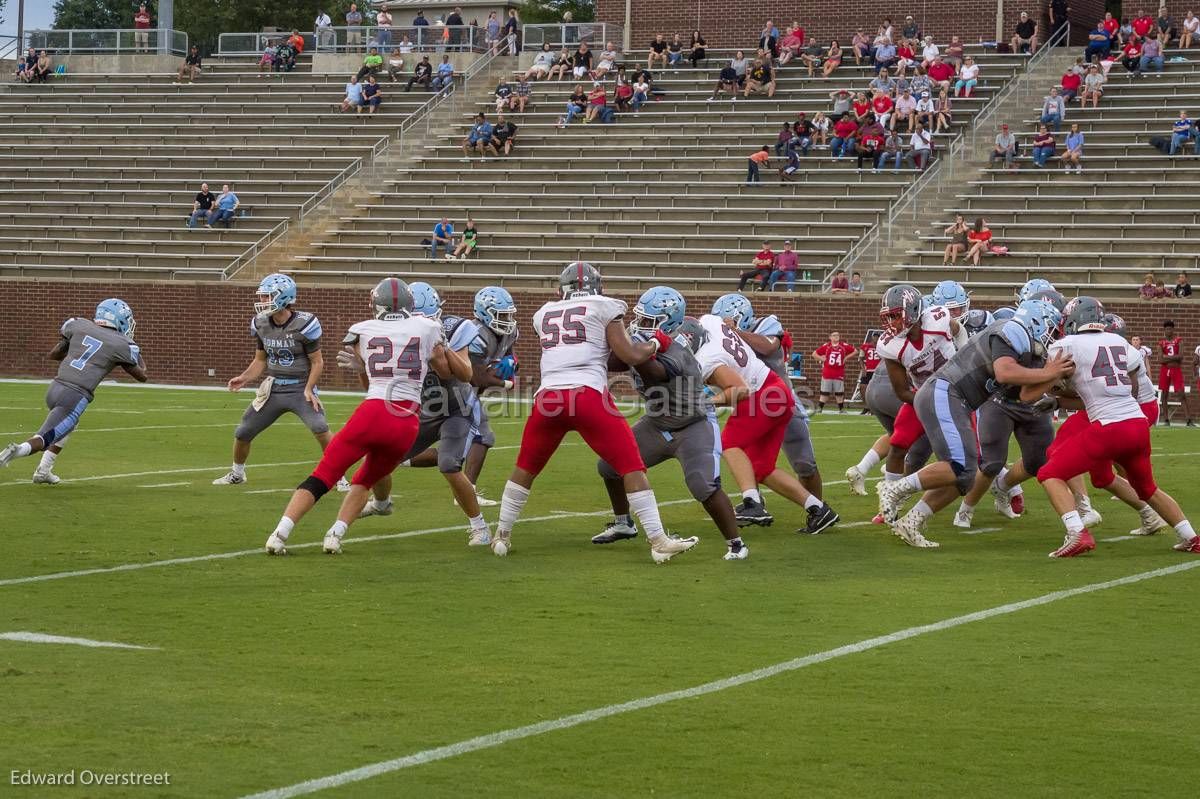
(9, 47)
(992, 106)
(107, 40)
(560, 34)
(359, 38)
(254, 250)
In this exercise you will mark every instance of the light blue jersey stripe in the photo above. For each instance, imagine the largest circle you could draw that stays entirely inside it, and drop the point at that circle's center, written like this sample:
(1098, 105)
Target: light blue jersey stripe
(716, 428)
(941, 406)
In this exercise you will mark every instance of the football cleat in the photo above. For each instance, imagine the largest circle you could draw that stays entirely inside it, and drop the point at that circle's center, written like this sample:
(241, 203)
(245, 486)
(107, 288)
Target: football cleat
(332, 545)
(964, 518)
(46, 477)
(736, 552)
(1003, 503)
(820, 518)
(501, 544)
(231, 479)
(1075, 544)
(615, 531)
(1151, 523)
(877, 518)
(1017, 502)
(1191, 545)
(371, 509)
(276, 545)
(891, 497)
(666, 547)
(1091, 517)
(750, 512)
(479, 538)
(7, 454)
(343, 485)
(483, 501)
(857, 481)
(911, 530)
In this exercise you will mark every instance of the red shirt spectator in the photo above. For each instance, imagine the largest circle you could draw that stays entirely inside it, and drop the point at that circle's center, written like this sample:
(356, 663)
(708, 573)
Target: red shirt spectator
(1141, 25)
(1133, 49)
(861, 109)
(835, 359)
(939, 72)
(980, 235)
(882, 104)
(1112, 26)
(141, 18)
(845, 128)
(1071, 81)
(870, 358)
(297, 43)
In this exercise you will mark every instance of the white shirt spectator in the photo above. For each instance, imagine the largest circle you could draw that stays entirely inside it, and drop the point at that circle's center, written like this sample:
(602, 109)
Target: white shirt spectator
(323, 21)
(969, 71)
(919, 140)
(930, 52)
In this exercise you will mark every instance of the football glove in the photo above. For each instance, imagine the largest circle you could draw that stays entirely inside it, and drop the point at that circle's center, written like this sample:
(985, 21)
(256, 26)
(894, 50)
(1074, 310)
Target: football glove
(506, 367)
(348, 360)
(1045, 403)
(663, 340)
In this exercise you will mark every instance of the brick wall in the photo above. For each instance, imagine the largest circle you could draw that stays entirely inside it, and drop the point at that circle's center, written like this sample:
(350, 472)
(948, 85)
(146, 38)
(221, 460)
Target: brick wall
(186, 329)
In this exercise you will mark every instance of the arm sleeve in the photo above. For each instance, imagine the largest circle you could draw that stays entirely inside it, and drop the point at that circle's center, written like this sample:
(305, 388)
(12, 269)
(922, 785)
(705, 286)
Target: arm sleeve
(1012, 341)
(769, 326)
(310, 334)
(466, 334)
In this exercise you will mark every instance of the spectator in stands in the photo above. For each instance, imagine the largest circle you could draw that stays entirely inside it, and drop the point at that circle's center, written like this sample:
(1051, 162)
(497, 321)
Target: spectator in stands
(741, 65)
(201, 205)
(608, 60)
(1143, 25)
(372, 63)
(839, 283)
(979, 239)
(383, 21)
(929, 51)
(1191, 30)
(1043, 147)
(757, 158)
(1074, 150)
(1125, 32)
(422, 74)
(443, 236)
(1147, 290)
(925, 113)
(885, 55)
(968, 77)
(791, 45)
(1093, 87)
(882, 106)
(860, 44)
(523, 96)
(1005, 149)
(581, 62)
(957, 231)
(940, 73)
(577, 104)
(831, 61)
(906, 110)
(641, 92)
(1099, 42)
(467, 244)
(224, 209)
(727, 83)
(511, 26)
(1053, 109)
(893, 150)
(395, 63)
(191, 66)
(784, 139)
(1071, 82)
(323, 34)
(920, 148)
(1025, 38)
(696, 52)
(844, 131)
(764, 264)
(1111, 25)
(920, 82)
(860, 107)
(285, 55)
(1131, 55)
(943, 111)
(785, 268)
(791, 166)
(141, 32)
(953, 54)
(841, 102)
(769, 39)
(856, 284)
(477, 138)
(911, 29)
(354, 95)
(1161, 292)
(354, 31)
(492, 33)
(761, 78)
(657, 52)
(503, 94)
(266, 61)
(542, 63)
(597, 102)
(675, 51)
(1183, 130)
(562, 63)
(372, 95)
(1152, 57)
(905, 57)
(820, 126)
(1182, 288)
(444, 78)
(43, 68)
(869, 144)
(503, 136)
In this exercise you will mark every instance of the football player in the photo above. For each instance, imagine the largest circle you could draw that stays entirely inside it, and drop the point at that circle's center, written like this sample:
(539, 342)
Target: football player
(1118, 430)
(832, 355)
(87, 351)
(577, 334)
(494, 365)
(391, 353)
(772, 344)
(679, 421)
(288, 351)
(1170, 373)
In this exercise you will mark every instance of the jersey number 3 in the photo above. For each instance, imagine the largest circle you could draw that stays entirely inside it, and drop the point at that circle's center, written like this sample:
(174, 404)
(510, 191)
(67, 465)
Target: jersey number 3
(382, 360)
(1110, 365)
(563, 327)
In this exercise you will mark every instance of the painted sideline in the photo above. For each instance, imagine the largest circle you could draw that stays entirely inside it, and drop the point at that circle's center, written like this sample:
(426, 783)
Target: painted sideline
(42, 638)
(595, 714)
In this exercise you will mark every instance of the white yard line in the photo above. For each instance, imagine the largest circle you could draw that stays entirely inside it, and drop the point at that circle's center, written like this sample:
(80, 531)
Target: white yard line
(1121, 538)
(42, 638)
(595, 714)
(980, 530)
(158, 472)
(269, 491)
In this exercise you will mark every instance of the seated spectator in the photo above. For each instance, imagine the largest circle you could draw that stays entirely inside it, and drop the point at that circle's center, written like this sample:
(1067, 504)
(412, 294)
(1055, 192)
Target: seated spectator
(1142, 25)
(641, 93)
(860, 45)
(191, 66)
(266, 61)
(755, 161)
(225, 207)
(1152, 57)
(860, 107)
(929, 51)
(422, 74)
(477, 138)
(696, 52)
(844, 131)
(727, 83)
(968, 77)
(42, 69)
(784, 139)
(1182, 288)
(1147, 290)
(503, 94)
(856, 284)
(443, 236)
(926, 112)
(1131, 55)
(785, 268)
(920, 82)
(882, 106)
(372, 63)
(1125, 32)
(624, 92)
(395, 66)
(354, 95)
(882, 82)
(906, 111)
(1043, 147)
(905, 57)
(372, 94)
(940, 73)
(470, 238)
(608, 60)
(1005, 148)
(597, 102)
(1111, 25)
(1071, 82)
(1191, 30)
(944, 111)
(405, 46)
(792, 44)
(761, 78)
(201, 205)
(831, 61)
(1053, 109)
(841, 102)
(523, 96)
(979, 239)
(285, 58)
(953, 54)
(1025, 38)
(821, 125)
(577, 104)
(1073, 151)
(1183, 130)
(839, 283)
(675, 51)
(764, 264)
(26, 66)
(503, 136)
(444, 78)
(741, 65)
(562, 63)
(920, 148)
(802, 133)
(1093, 87)
(296, 42)
(911, 29)
(892, 150)
(1161, 292)
(1099, 43)
(869, 145)
(885, 56)
(959, 244)
(581, 62)
(542, 62)
(658, 51)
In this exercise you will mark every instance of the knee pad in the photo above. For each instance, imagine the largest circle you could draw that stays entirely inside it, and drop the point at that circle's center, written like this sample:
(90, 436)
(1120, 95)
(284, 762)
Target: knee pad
(313, 486)
(804, 468)
(449, 462)
(606, 471)
(991, 467)
(964, 478)
(701, 489)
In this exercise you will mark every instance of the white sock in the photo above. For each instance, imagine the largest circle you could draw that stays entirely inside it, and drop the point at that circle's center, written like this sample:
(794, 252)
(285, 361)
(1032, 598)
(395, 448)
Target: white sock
(868, 461)
(645, 508)
(239, 469)
(1083, 503)
(405, 463)
(753, 494)
(479, 523)
(511, 503)
(625, 519)
(812, 502)
(1001, 484)
(24, 449)
(1147, 512)
(47, 462)
(922, 508)
(1184, 531)
(338, 529)
(1016, 491)
(913, 481)
(1072, 521)
(284, 528)
(891, 477)
(380, 504)
(965, 507)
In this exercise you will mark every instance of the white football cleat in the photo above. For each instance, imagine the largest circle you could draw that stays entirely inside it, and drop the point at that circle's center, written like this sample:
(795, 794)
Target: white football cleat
(479, 538)
(911, 530)
(343, 485)
(46, 477)
(1151, 523)
(666, 547)
(483, 501)
(276, 545)
(892, 494)
(501, 544)
(741, 553)
(7, 454)
(1002, 503)
(964, 518)
(857, 481)
(371, 509)
(1091, 517)
(231, 479)
(332, 545)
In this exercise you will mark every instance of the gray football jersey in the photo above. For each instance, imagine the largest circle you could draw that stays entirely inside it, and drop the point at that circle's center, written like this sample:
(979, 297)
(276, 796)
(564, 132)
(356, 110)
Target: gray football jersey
(970, 371)
(92, 352)
(449, 397)
(777, 360)
(681, 400)
(288, 346)
(489, 345)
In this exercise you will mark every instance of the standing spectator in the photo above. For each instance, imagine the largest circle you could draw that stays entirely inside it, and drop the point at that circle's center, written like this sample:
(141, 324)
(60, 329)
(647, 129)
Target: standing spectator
(492, 33)
(757, 158)
(1054, 110)
(968, 77)
(769, 39)
(920, 148)
(1005, 148)
(832, 355)
(191, 66)
(354, 95)
(383, 21)
(791, 166)
(1152, 57)
(696, 52)
(839, 283)
(841, 102)
(1071, 82)
(1058, 15)
(1182, 288)
(1160, 291)
(444, 78)
(1183, 130)
(443, 236)
(763, 264)
(224, 209)
(141, 26)
(1191, 30)
(323, 34)
(844, 131)
(1074, 150)
(1043, 147)
(372, 95)
(856, 284)
(957, 231)
(422, 74)
(201, 205)
(979, 239)
(503, 136)
(354, 31)
(1093, 87)
(479, 137)
(786, 263)
(470, 239)
(511, 26)
(658, 51)
(1025, 38)
(372, 63)
(1147, 290)
(1170, 373)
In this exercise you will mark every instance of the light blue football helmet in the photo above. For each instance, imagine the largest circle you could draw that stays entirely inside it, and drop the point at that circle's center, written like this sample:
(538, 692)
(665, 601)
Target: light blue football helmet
(1004, 313)
(280, 291)
(426, 300)
(116, 314)
(660, 308)
(1032, 287)
(737, 307)
(952, 296)
(494, 308)
(1041, 319)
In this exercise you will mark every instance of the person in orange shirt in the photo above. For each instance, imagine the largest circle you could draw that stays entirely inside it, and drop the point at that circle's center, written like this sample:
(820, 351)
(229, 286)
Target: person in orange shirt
(756, 160)
(297, 42)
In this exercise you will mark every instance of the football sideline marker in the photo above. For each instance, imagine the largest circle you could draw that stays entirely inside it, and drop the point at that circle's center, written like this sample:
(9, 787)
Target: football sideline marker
(42, 638)
(596, 714)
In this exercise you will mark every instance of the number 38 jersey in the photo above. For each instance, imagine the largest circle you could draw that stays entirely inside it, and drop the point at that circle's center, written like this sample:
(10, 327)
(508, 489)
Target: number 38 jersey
(574, 339)
(1101, 377)
(923, 357)
(396, 352)
(725, 347)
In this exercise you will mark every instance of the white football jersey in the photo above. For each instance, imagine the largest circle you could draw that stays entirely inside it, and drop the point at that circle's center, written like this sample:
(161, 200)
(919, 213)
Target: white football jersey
(725, 347)
(574, 339)
(921, 359)
(1101, 377)
(1144, 390)
(396, 352)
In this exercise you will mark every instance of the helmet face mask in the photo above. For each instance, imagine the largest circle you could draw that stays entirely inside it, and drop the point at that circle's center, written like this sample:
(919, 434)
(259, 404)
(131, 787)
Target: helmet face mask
(275, 293)
(660, 308)
(901, 309)
(691, 334)
(494, 307)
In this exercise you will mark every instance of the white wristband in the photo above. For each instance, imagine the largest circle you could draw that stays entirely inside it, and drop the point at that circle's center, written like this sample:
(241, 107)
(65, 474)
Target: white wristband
(508, 385)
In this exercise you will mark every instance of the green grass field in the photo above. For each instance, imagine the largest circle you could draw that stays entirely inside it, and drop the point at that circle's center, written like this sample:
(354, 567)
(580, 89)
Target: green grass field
(268, 672)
